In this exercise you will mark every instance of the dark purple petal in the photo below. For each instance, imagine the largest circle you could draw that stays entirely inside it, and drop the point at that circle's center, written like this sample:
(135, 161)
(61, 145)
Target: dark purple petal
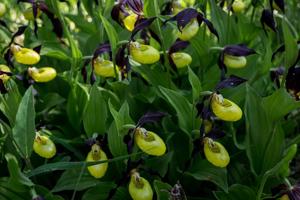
(20, 31)
(141, 24)
(146, 35)
(25, 1)
(275, 75)
(215, 134)
(231, 82)
(57, 26)
(115, 13)
(6, 73)
(267, 19)
(293, 81)
(121, 58)
(167, 8)
(185, 16)
(279, 50)
(210, 27)
(2, 87)
(238, 50)
(178, 45)
(8, 58)
(136, 6)
(103, 48)
(92, 77)
(154, 35)
(199, 107)
(37, 48)
(84, 71)
(222, 66)
(150, 117)
(279, 3)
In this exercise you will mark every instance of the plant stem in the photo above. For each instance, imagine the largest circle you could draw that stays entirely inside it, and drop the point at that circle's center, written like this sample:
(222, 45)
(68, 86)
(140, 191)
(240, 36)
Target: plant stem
(162, 40)
(77, 182)
(288, 23)
(216, 49)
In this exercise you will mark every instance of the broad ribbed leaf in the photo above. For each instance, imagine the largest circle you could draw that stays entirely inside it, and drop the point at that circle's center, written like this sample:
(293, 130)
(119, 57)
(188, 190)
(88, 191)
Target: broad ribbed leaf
(204, 171)
(24, 128)
(291, 47)
(264, 139)
(236, 192)
(184, 109)
(95, 116)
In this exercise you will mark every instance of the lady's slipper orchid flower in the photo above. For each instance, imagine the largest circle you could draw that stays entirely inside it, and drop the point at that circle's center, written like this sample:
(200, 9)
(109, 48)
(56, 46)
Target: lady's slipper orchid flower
(188, 22)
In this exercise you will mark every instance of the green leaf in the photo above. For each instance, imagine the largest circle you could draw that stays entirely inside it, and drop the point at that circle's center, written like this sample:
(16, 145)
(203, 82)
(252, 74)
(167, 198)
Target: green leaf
(279, 104)
(95, 116)
(76, 104)
(195, 83)
(155, 75)
(99, 192)
(162, 189)
(236, 192)
(273, 171)
(264, 140)
(54, 53)
(161, 161)
(111, 33)
(46, 194)
(69, 178)
(116, 132)
(10, 102)
(184, 109)
(291, 47)
(24, 129)
(71, 165)
(16, 176)
(202, 170)
(8, 191)
(122, 193)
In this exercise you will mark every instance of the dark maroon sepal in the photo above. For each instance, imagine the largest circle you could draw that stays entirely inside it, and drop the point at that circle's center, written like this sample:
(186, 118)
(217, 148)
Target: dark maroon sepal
(3, 90)
(238, 50)
(230, 82)
(150, 117)
(267, 19)
(141, 24)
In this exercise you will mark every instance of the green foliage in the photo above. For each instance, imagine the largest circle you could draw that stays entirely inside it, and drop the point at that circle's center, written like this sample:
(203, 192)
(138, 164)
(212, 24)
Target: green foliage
(78, 109)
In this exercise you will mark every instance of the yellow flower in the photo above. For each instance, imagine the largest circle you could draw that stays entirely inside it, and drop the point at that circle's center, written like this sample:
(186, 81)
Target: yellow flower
(149, 142)
(96, 154)
(225, 109)
(144, 54)
(44, 146)
(44, 74)
(139, 188)
(216, 153)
